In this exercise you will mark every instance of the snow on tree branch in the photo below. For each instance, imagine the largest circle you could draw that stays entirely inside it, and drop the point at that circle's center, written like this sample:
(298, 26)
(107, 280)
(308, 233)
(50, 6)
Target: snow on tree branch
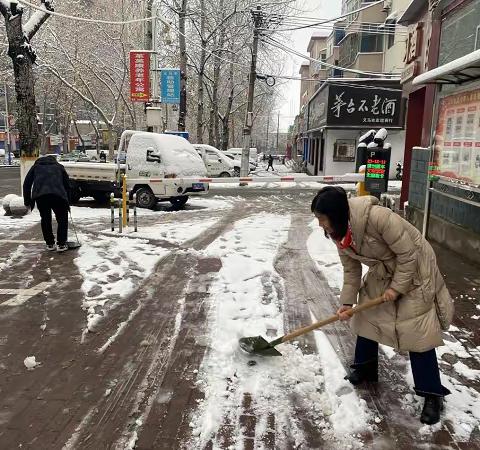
(37, 19)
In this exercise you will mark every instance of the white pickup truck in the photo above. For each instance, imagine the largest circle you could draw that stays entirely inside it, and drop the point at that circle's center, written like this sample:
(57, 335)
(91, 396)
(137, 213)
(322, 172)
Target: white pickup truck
(153, 162)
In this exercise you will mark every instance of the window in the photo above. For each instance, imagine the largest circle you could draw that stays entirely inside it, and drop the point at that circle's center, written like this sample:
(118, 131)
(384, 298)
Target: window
(344, 150)
(459, 32)
(323, 57)
(390, 29)
(371, 43)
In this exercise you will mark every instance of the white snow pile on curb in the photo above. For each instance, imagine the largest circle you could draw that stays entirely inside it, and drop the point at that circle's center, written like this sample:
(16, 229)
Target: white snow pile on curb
(247, 300)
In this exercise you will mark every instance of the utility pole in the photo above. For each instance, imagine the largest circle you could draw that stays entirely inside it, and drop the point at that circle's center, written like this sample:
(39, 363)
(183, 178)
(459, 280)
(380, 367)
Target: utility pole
(278, 127)
(268, 126)
(183, 67)
(247, 131)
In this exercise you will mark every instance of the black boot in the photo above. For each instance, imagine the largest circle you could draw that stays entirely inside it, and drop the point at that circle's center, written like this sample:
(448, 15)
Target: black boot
(363, 372)
(431, 409)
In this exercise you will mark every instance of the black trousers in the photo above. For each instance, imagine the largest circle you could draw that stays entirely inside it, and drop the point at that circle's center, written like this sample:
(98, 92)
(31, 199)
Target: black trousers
(426, 374)
(46, 204)
(270, 165)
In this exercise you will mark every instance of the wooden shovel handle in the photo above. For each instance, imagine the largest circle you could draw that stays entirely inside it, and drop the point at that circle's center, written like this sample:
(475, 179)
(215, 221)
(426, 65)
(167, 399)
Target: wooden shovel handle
(314, 326)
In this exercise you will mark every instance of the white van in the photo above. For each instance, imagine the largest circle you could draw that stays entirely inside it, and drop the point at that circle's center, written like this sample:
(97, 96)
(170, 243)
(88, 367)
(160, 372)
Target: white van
(153, 164)
(237, 151)
(237, 162)
(217, 164)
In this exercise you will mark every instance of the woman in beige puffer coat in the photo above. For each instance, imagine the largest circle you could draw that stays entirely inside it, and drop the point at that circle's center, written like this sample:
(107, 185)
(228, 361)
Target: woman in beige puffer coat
(402, 268)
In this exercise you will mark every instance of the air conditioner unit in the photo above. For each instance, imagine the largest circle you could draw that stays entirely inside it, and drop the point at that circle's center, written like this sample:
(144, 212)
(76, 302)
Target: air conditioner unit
(387, 5)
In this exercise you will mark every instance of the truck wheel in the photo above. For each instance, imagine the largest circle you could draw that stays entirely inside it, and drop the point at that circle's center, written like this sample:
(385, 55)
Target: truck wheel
(145, 198)
(179, 202)
(236, 172)
(224, 175)
(75, 193)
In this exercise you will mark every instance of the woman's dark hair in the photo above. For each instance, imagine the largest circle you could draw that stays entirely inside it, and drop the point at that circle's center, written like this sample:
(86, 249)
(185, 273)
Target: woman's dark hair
(332, 201)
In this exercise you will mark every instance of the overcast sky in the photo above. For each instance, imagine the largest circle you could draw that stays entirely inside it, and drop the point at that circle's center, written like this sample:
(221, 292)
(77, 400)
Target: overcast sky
(299, 41)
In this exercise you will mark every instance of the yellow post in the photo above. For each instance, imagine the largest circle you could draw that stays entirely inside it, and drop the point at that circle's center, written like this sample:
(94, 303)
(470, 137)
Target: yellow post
(361, 184)
(124, 201)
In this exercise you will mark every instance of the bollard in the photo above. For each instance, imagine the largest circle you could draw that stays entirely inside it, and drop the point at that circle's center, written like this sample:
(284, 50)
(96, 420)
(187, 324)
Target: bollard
(124, 200)
(128, 209)
(120, 219)
(112, 211)
(135, 212)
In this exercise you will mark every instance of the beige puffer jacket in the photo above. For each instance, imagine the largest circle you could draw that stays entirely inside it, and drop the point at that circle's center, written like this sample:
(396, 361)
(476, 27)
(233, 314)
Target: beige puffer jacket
(398, 257)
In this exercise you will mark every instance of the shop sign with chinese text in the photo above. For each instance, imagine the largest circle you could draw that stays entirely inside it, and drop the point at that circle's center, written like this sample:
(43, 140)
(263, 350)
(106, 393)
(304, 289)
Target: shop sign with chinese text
(170, 83)
(139, 76)
(363, 107)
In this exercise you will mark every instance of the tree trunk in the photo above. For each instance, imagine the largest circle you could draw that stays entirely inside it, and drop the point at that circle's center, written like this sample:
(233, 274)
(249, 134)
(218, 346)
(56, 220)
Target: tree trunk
(200, 88)
(183, 67)
(23, 57)
(216, 75)
(211, 132)
(226, 117)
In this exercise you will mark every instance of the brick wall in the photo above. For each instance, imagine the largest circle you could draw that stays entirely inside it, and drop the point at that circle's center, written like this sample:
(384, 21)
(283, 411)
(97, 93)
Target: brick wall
(418, 178)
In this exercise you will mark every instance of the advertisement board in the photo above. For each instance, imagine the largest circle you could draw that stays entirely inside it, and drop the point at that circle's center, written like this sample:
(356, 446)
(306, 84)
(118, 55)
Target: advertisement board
(170, 85)
(457, 137)
(139, 76)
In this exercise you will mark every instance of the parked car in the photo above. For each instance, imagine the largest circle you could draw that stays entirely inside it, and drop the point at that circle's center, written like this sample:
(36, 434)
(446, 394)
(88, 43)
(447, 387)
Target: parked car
(238, 163)
(216, 162)
(75, 157)
(237, 151)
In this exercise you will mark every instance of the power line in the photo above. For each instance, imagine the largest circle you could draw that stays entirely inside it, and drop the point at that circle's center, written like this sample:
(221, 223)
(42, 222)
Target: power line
(336, 18)
(279, 45)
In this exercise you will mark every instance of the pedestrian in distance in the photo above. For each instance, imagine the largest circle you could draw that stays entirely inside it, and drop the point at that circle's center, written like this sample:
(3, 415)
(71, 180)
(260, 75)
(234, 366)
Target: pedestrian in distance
(47, 185)
(270, 162)
(402, 268)
(103, 156)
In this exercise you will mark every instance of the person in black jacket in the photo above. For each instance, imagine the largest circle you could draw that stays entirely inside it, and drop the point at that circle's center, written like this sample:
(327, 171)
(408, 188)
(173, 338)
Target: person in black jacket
(47, 184)
(270, 163)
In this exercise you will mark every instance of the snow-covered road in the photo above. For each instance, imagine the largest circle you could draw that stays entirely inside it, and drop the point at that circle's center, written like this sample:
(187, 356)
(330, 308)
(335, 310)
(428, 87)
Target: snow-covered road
(137, 338)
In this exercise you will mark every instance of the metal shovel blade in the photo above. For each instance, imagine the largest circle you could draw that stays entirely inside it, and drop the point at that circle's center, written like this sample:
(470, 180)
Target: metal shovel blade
(72, 245)
(257, 345)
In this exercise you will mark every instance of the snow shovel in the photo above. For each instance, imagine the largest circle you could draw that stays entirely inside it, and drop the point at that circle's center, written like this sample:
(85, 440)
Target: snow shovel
(72, 245)
(257, 345)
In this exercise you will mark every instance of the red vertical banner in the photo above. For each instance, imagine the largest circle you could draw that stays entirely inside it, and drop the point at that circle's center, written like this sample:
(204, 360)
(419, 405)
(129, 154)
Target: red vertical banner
(139, 76)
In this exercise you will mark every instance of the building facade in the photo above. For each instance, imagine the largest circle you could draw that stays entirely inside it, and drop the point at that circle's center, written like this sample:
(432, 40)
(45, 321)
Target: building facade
(443, 78)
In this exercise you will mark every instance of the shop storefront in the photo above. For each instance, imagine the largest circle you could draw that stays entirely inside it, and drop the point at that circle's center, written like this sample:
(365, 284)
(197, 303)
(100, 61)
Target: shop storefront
(444, 187)
(340, 112)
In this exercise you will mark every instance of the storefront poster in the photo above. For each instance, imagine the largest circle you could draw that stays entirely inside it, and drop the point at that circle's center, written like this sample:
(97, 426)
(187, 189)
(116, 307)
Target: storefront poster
(457, 137)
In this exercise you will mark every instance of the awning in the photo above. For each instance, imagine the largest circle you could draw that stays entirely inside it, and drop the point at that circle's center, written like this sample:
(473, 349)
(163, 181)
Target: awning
(458, 71)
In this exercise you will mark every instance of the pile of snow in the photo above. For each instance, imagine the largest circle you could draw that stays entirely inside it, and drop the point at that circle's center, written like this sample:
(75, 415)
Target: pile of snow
(247, 300)
(30, 362)
(6, 203)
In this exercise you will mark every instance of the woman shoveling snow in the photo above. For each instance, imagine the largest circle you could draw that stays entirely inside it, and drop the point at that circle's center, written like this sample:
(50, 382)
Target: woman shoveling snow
(402, 268)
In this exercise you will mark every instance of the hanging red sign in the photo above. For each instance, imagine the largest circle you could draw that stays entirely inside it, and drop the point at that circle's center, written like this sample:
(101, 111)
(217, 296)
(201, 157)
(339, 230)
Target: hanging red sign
(139, 76)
